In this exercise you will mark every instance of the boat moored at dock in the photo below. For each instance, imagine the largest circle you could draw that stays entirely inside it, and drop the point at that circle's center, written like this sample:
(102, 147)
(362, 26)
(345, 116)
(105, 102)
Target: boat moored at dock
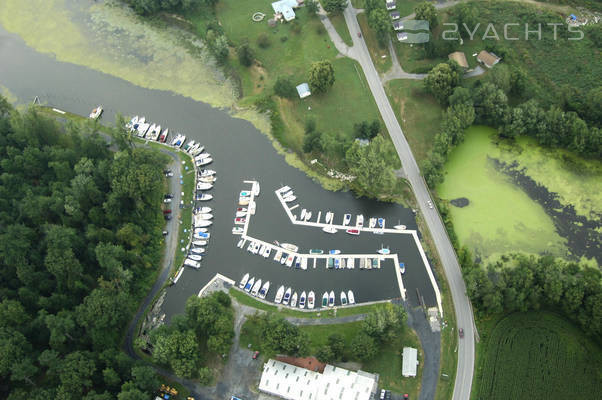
(279, 294)
(243, 281)
(311, 297)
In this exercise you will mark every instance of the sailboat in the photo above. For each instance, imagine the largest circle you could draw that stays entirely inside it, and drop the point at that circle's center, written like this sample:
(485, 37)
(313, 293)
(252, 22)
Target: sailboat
(302, 300)
(343, 298)
(279, 295)
(310, 300)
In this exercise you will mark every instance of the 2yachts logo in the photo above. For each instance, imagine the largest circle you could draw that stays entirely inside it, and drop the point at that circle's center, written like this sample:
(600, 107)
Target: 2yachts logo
(513, 31)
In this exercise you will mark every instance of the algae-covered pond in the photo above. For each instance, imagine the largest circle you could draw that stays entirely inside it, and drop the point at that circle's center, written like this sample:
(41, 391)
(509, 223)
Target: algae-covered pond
(521, 197)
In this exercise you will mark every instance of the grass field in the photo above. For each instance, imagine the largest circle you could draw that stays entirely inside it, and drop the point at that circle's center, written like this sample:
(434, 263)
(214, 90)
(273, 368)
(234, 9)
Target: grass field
(537, 355)
(338, 21)
(387, 362)
(418, 113)
(380, 55)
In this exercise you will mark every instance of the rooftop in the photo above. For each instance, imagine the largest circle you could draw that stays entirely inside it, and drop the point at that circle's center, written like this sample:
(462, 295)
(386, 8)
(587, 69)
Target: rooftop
(487, 58)
(410, 361)
(460, 58)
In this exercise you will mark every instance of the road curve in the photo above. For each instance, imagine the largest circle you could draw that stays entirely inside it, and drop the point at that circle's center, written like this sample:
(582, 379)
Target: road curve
(464, 318)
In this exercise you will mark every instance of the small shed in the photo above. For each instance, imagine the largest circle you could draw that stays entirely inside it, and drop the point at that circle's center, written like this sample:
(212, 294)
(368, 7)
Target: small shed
(391, 5)
(410, 362)
(401, 36)
(488, 59)
(303, 90)
(395, 15)
(397, 25)
(460, 58)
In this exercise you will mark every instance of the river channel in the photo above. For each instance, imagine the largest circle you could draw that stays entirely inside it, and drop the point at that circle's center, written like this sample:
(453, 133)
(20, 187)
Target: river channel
(240, 152)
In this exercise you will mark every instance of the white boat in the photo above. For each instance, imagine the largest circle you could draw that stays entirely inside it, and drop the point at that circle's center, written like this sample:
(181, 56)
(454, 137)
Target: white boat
(205, 216)
(198, 150)
(289, 199)
(204, 162)
(156, 132)
(331, 299)
(199, 242)
(279, 295)
(192, 263)
(177, 140)
(359, 221)
(204, 197)
(308, 215)
(256, 248)
(334, 251)
(266, 252)
(204, 223)
(256, 288)
(384, 251)
(400, 227)
(289, 260)
(256, 189)
(197, 230)
(372, 223)
(350, 263)
(329, 216)
(202, 156)
(287, 296)
(278, 255)
(264, 290)
(203, 210)
(302, 216)
(142, 129)
(240, 243)
(133, 121)
(251, 247)
(195, 257)
(188, 145)
(164, 135)
(284, 189)
(402, 268)
(245, 193)
(243, 201)
(283, 259)
(193, 148)
(287, 194)
(311, 297)
(350, 297)
(243, 281)
(237, 230)
(303, 263)
(262, 249)
(249, 284)
(96, 112)
(202, 235)
(207, 179)
(290, 247)
(198, 250)
(346, 219)
(207, 172)
(302, 300)
(240, 221)
(240, 214)
(182, 140)
(329, 229)
(325, 299)
(298, 262)
(343, 299)
(151, 130)
(203, 186)
(294, 300)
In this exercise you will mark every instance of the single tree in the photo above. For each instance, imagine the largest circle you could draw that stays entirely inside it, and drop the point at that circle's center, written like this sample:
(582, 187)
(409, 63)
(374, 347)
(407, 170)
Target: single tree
(284, 87)
(372, 167)
(245, 54)
(321, 76)
(427, 12)
(334, 6)
(442, 80)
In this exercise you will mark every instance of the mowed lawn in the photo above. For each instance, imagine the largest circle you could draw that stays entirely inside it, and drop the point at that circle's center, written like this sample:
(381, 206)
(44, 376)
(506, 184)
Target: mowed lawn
(418, 113)
(293, 47)
(537, 355)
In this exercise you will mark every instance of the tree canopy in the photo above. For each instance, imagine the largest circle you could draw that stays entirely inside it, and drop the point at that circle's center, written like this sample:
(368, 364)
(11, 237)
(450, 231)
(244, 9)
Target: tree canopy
(372, 167)
(321, 76)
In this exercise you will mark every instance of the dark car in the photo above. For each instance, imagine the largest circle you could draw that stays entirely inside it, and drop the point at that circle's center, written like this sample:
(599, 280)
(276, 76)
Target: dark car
(168, 196)
(461, 332)
(167, 217)
(255, 355)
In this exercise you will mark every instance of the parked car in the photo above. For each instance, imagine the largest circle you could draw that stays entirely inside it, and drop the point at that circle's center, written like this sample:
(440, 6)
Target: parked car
(168, 196)
(165, 233)
(382, 394)
(461, 332)
(167, 200)
(168, 173)
(406, 396)
(167, 217)
(168, 211)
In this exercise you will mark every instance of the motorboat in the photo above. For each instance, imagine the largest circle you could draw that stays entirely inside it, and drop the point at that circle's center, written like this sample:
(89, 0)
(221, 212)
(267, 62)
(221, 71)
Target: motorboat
(256, 288)
(163, 136)
(203, 197)
(198, 150)
(240, 214)
(362, 263)
(372, 223)
(241, 209)
(151, 130)
(195, 257)
(203, 210)
(245, 193)
(181, 141)
(204, 223)
(343, 299)
(302, 300)
(351, 263)
(256, 189)
(198, 250)
(207, 179)
(203, 186)
(240, 221)
(303, 212)
(196, 230)
(240, 243)
(133, 121)
(284, 189)
(155, 133)
(193, 148)
(342, 263)
(400, 227)
(264, 290)
(199, 242)
(262, 249)
(329, 229)
(381, 223)
(330, 263)
(289, 260)
(96, 112)
(402, 268)
(331, 299)
(368, 263)
(289, 247)
(251, 247)
(207, 172)
(284, 258)
(287, 296)
(353, 231)
(204, 162)
(303, 263)
(337, 263)
(202, 156)
(191, 263)
(350, 297)
(202, 235)
(287, 194)
(329, 216)
(243, 201)
(279, 295)
(334, 251)
(308, 215)
(289, 199)
(243, 281)
(346, 219)
(237, 230)
(176, 139)
(294, 300)
(375, 263)
(310, 300)
(142, 129)
(316, 251)
(278, 255)
(256, 248)
(249, 284)
(384, 251)
(266, 252)
(325, 299)
(205, 216)
(188, 145)
(298, 262)
(359, 221)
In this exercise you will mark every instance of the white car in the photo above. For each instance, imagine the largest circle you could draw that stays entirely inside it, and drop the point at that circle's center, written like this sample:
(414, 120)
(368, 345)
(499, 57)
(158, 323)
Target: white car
(430, 204)
(167, 200)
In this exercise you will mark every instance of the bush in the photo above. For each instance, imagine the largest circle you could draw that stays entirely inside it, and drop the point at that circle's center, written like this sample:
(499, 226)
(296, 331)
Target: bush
(205, 376)
(295, 27)
(245, 54)
(263, 41)
(320, 30)
(283, 39)
(285, 88)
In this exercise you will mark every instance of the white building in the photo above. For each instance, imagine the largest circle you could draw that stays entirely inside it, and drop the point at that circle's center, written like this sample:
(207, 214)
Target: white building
(303, 90)
(410, 362)
(285, 8)
(295, 383)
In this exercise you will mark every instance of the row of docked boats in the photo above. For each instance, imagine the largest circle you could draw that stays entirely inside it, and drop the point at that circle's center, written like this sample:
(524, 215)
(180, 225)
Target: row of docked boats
(245, 209)
(254, 287)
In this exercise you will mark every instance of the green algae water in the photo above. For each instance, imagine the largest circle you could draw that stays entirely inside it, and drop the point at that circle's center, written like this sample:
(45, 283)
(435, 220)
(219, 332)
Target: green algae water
(499, 217)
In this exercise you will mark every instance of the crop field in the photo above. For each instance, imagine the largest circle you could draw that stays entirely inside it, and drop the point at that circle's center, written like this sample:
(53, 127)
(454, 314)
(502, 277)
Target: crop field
(538, 356)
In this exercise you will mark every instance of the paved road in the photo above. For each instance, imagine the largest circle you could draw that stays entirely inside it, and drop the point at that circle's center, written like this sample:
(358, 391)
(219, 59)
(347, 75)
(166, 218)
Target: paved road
(464, 318)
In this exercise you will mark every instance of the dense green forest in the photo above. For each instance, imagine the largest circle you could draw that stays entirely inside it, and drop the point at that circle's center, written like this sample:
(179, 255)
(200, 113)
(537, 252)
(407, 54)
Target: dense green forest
(80, 240)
